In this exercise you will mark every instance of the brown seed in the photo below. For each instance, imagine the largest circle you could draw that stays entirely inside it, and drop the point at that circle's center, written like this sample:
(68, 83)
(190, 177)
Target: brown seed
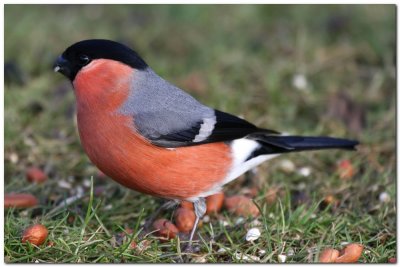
(329, 199)
(241, 206)
(350, 254)
(133, 245)
(215, 202)
(20, 200)
(128, 230)
(328, 255)
(187, 204)
(35, 234)
(35, 175)
(184, 219)
(165, 229)
(345, 169)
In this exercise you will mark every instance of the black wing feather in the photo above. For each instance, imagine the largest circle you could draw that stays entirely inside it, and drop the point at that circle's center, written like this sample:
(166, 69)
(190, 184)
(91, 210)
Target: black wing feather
(227, 128)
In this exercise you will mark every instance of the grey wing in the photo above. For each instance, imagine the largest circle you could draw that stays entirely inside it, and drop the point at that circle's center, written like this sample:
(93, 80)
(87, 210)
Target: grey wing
(169, 117)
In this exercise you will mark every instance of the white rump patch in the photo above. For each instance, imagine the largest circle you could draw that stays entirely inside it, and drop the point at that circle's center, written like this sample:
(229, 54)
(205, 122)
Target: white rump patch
(206, 129)
(241, 150)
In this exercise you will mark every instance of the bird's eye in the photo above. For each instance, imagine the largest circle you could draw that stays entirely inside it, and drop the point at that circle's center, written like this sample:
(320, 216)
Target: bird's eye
(83, 59)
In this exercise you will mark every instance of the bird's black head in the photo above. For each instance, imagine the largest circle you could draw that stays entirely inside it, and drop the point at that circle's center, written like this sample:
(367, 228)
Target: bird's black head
(82, 53)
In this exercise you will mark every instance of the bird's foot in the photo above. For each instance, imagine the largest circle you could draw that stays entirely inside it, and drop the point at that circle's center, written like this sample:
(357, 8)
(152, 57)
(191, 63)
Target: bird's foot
(187, 254)
(189, 249)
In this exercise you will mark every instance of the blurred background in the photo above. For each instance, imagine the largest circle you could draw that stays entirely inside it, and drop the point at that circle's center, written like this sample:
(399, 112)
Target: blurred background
(301, 69)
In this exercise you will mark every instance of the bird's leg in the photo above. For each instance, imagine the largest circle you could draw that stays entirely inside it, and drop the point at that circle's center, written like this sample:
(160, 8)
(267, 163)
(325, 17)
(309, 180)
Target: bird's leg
(200, 208)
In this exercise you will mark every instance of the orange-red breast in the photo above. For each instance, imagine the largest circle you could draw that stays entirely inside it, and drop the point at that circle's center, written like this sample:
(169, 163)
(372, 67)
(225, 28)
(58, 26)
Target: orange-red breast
(152, 137)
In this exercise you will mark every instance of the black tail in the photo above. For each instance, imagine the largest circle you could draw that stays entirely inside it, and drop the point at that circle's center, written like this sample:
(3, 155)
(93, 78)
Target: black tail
(281, 144)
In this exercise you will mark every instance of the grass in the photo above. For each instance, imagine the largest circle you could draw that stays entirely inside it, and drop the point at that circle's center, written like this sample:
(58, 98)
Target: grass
(240, 59)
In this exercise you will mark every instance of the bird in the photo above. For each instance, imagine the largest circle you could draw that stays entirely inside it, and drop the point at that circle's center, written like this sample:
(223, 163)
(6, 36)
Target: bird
(151, 136)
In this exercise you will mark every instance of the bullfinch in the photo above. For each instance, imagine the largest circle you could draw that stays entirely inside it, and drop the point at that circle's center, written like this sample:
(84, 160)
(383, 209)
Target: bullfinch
(152, 137)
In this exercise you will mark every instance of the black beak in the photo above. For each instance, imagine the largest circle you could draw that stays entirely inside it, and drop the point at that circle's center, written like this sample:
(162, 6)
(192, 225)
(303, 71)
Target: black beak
(62, 65)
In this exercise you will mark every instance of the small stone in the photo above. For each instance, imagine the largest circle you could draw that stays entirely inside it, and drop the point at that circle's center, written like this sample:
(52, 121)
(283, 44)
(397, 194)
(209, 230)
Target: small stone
(300, 82)
(253, 234)
(304, 171)
(287, 166)
(108, 207)
(240, 256)
(282, 258)
(79, 190)
(222, 250)
(86, 183)
(297, 237)
(254, 258)
(245, 257)
(384, 197)
(224, 223)
(301, 186)
(262, 252)
(14, 158)
(200, 258)
(64, 184)
(290, 252)
(206, 219)
(239, 220)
